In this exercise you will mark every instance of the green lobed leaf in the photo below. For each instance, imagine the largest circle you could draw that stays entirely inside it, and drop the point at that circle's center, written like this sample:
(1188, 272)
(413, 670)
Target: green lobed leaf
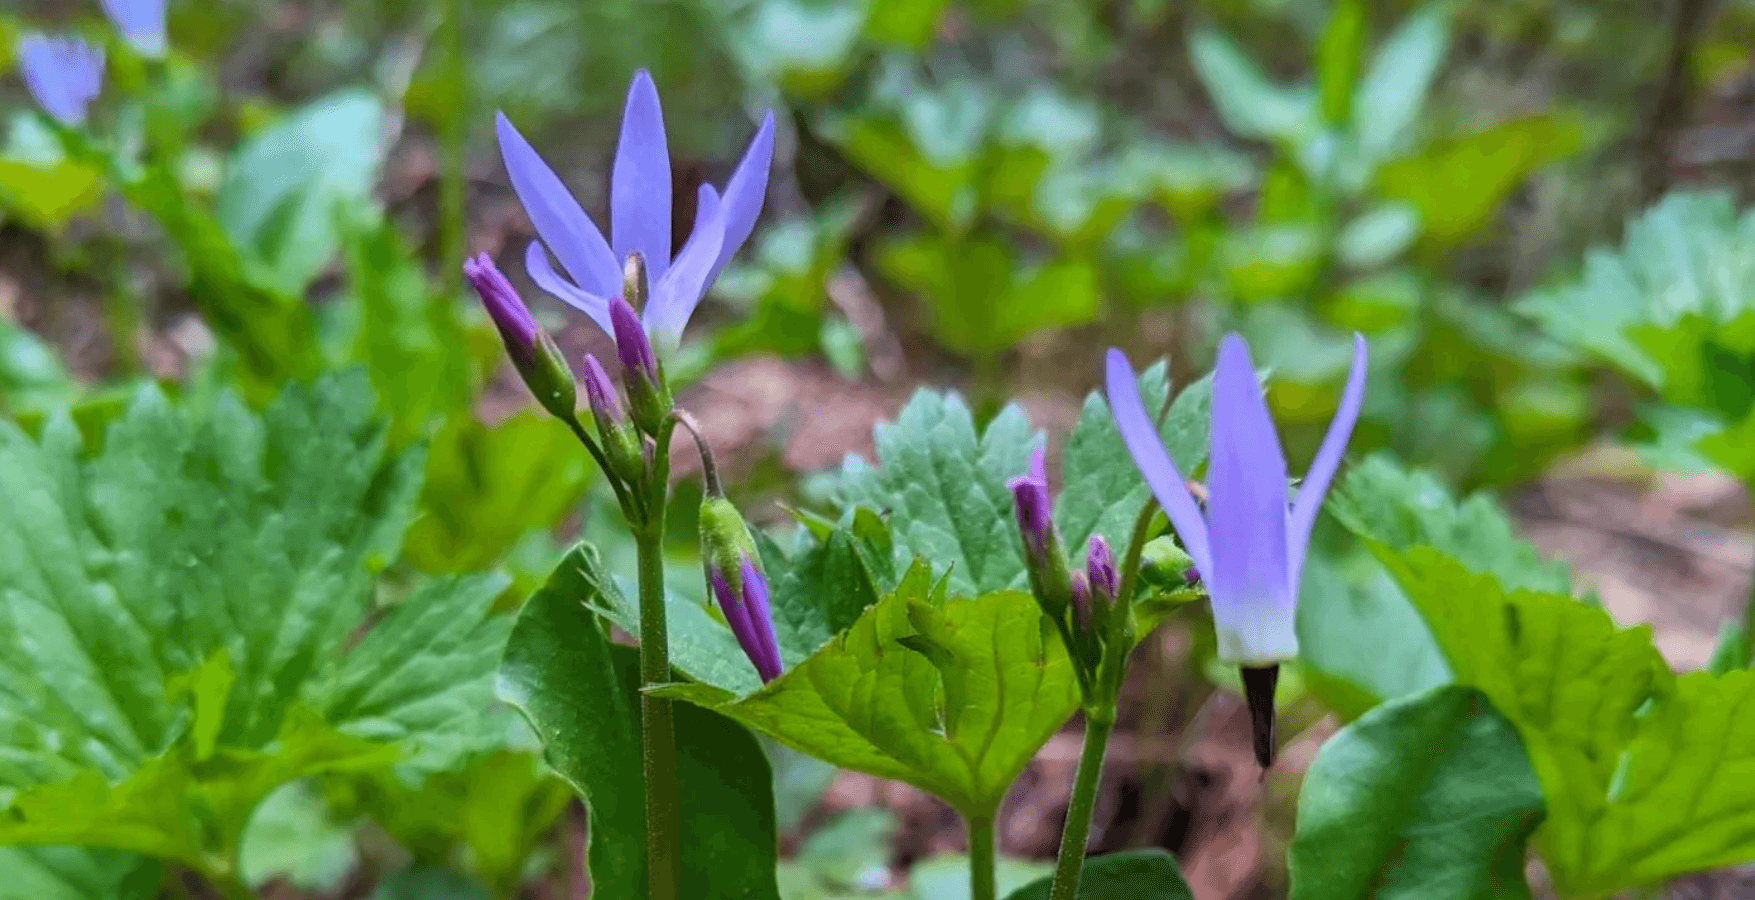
(176, 609)
(1133, 875)
(951, 695)
(75, 873)
(1426, 796)
(1102, 490)
(581, 695)
(942, 487)
(1645, 774)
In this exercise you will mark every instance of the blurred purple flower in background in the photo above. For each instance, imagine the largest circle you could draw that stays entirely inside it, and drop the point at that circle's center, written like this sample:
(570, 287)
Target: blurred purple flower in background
(640, 209)
(64, 74)
(141, 22)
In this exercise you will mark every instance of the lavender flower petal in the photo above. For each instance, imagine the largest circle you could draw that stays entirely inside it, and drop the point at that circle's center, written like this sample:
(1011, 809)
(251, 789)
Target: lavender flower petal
(63, 74)
(744, 194)
(1154, 463)
(1246, 514)
(541, 271)
(563, 225)
(675, 296)
(639, 192)
(504, 306)
(1100, 568)
(631, 344)
(142, 22)
(1322, 467)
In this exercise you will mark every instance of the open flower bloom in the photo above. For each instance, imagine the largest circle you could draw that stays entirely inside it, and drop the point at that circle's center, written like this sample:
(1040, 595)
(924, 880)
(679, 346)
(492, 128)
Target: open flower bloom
(64, 74)
(1249, 546)
(142, 23)
(639, 218)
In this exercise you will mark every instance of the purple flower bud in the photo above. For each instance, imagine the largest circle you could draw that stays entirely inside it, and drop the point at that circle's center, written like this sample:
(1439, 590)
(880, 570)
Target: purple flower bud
(631, 343)
(600, 393)
(1081, 599)
(1034, 509)
(1100, 569)
(63, 74)
(534, 354)
(507, 310)
(743, 598)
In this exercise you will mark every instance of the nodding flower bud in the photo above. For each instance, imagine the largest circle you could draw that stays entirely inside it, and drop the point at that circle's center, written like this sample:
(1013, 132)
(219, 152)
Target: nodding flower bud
(735, 577)
(648, 396)
(1100, 570)
(533, 352)
(1042, 556)
(620, 444)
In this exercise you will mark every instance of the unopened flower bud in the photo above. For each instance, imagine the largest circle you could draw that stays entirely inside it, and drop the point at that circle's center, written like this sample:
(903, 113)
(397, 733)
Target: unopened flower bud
(1042, 555)
(620, 444)
(735, 577)
(533, 352)
(648, 396)
(1079, 591)
(1105, 578)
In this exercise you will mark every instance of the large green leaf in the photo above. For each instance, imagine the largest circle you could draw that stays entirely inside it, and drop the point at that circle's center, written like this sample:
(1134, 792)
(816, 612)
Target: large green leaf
(1388, 99)
(1427, 796)
(1646, 775)
(1457, 186)
(283, 188)
(177, 610)
(581, 694)
(942, 486)
(1251, 105)
(951, 695)
(70, 873)
(1103, 491)
(1135, 875)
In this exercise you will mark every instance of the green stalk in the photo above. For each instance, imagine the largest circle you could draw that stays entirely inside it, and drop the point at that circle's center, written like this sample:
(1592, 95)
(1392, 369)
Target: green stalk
(657, 715)
(982, 884)
(1071, 861)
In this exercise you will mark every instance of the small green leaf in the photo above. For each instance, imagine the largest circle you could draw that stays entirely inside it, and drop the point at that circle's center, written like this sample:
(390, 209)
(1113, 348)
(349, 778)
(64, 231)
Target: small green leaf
(582, 696)
(1251, 105)
(1388, 99)
(1458, 186)
(1134, 875)
(293, 836)
(868, 701)
(1429, 795)
(942, 486)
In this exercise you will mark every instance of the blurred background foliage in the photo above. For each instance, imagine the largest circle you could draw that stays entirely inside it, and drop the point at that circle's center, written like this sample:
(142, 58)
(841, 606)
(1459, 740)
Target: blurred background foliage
(983, 193)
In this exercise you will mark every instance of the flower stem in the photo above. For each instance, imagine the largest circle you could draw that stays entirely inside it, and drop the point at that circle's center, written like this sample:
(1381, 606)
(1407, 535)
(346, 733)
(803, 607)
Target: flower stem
(1071, 861)
(657, 715)
(982, 885)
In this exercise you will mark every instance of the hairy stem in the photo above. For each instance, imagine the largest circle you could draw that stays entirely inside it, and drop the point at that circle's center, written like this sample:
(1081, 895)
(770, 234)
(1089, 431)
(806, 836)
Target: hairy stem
(657, 715)
(982, 885)
(1071, 860)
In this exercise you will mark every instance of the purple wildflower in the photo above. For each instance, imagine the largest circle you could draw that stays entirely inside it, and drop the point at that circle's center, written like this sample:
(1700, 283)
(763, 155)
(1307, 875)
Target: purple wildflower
(64, 74)
(640, 209)
(507, 310)
(606, 406)
(631, 345)
(1100, 569)
(142, 23)
(1249, 547)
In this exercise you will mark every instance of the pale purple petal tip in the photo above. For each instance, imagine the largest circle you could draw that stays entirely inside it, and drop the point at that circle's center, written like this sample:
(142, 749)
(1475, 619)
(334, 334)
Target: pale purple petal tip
(1100, 568)
(63, 75)
(562, 224)
(1033, 506)
(1153, 461)
(141, 22)
(639, 195)
(745, 193)
(1323, 466)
